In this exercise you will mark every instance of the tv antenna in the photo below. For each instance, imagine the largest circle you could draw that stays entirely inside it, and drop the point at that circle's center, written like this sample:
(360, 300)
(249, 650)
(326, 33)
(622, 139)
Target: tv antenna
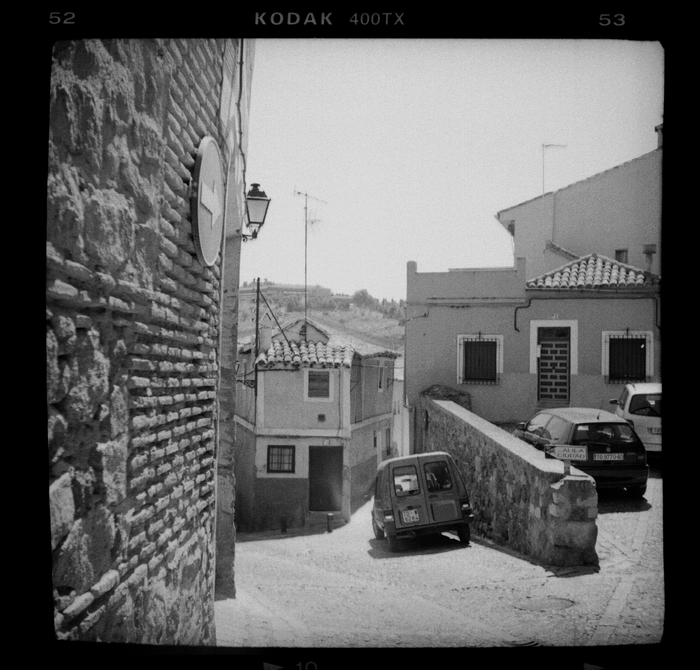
(306, 236)
(549, 146)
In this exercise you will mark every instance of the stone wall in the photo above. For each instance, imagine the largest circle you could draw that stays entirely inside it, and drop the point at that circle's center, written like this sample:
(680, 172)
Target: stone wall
(133, 341)
(520, 498)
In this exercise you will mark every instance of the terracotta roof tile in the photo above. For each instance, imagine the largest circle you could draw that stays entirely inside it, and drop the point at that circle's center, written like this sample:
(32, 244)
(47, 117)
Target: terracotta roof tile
(593, 271)
(298, 354)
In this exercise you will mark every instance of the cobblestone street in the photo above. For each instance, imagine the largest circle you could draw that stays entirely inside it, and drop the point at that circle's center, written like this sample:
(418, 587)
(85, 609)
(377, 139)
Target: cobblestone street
(344, 589)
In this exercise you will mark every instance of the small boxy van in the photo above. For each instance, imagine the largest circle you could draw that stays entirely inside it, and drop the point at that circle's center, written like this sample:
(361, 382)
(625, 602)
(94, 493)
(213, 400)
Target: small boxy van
(640, 404)
(419, 495)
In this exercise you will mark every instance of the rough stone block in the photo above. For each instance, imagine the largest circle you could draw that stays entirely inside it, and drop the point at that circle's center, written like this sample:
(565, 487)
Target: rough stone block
(106, 583)
(85, 553)
(61, 507)
(80, 604)
(114, 472)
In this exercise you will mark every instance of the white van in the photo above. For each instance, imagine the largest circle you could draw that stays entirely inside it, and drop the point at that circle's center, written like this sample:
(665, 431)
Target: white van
(640, 404)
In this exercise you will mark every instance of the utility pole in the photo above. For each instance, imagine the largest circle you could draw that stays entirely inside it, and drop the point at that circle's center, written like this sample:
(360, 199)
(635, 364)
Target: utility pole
(306, 234)
(257, 339)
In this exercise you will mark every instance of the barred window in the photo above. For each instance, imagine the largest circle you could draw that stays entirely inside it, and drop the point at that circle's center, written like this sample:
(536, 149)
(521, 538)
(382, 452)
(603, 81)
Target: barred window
(280, 458)
(627, 359)
(627, 356)
(480, 359)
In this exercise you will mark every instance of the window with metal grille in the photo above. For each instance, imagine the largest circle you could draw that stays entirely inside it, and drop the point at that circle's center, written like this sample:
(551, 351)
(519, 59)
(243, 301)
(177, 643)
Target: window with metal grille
(627, 359)
(627, 356)
(318, 384)
(280, 458)
(480, 359)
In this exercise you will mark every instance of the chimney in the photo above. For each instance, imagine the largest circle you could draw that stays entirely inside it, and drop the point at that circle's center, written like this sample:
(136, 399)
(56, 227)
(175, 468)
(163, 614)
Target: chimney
(265, 338)
(649, 251)
(660, 132)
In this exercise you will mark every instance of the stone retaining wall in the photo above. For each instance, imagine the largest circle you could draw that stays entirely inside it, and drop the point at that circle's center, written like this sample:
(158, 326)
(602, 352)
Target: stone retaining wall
(520, 498)
(132, 332)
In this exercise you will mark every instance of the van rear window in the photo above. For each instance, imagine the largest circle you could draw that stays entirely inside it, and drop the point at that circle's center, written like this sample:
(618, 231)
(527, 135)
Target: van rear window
(437, 476)
(406, 481)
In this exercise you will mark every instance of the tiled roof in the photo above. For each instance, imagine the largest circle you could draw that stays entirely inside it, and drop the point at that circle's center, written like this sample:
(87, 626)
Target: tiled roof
(305, 354)
(593, 271)
(305, 343)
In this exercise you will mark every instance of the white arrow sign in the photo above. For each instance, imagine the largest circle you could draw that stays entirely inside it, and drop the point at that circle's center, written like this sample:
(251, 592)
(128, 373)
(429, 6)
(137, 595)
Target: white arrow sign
(211, 201)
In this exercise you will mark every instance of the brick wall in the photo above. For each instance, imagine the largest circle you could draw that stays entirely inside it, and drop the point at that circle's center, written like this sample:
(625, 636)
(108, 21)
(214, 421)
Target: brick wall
(133, 341)
(520, 498)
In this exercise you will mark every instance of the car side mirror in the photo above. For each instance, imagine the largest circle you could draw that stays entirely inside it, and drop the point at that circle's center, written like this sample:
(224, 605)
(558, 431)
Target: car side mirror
(521, 425)
(614, 401)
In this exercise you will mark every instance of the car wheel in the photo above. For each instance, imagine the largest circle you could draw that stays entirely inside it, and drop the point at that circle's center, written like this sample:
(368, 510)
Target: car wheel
(637, 491)
(378, 532)
(393, 543)
(464, 533)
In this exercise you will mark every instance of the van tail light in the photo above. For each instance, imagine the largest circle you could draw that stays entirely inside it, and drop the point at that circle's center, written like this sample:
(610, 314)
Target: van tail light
(389, 516)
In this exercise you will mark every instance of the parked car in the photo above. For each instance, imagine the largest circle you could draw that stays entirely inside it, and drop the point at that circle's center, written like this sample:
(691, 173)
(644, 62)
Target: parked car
(419, 495)
(640, 404)
(615, 455)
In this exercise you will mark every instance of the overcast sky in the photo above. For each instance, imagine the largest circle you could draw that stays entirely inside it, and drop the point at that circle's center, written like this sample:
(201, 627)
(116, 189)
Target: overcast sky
(415, 145)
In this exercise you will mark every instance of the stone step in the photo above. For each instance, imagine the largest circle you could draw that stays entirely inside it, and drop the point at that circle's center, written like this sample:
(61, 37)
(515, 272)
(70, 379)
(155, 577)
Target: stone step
(320, 520)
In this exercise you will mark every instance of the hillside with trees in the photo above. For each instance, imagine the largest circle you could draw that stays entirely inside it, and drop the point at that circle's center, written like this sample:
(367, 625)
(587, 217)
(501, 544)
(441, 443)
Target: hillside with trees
(376, 321)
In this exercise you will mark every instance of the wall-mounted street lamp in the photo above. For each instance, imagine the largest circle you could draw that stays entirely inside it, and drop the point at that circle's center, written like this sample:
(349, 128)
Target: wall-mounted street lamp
(257, 203)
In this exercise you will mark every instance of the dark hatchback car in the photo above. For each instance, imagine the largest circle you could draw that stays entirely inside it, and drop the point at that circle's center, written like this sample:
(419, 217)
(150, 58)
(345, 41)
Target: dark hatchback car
(615, 456)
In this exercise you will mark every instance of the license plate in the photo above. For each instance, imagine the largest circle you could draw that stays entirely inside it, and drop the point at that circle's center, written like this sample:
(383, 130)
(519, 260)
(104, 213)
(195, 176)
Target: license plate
(608, 457)
(655, 431)
(409, 515)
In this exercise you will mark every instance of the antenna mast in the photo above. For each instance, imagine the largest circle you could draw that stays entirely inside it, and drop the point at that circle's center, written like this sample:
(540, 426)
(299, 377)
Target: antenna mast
(548, 146)
(306, 235)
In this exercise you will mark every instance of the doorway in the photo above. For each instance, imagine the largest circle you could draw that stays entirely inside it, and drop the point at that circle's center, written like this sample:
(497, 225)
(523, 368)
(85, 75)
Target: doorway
(325, 479)
(554, 368)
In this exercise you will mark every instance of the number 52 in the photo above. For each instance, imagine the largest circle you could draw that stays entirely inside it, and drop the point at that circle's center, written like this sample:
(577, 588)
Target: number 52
(617, 20)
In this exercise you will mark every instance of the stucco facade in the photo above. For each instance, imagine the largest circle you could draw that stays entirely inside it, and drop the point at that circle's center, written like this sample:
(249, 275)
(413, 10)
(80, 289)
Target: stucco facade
(328, 446)
(445, 310)
(554, 329)
(615, 211)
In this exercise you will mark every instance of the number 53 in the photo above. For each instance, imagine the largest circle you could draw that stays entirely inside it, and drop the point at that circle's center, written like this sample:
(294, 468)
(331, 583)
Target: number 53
(616, 20)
